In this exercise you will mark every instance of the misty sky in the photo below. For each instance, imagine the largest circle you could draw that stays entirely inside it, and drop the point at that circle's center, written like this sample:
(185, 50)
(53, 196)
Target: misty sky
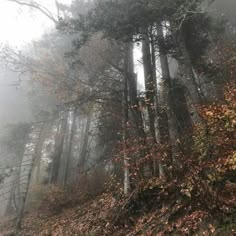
(18, 27)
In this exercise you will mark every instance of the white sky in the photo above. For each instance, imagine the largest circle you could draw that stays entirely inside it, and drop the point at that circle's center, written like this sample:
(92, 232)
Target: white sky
(20, 24)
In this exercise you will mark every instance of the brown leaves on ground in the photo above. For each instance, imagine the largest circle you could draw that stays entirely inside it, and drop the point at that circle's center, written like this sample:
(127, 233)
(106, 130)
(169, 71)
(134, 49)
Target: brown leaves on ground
(89, 218)
(153, 209)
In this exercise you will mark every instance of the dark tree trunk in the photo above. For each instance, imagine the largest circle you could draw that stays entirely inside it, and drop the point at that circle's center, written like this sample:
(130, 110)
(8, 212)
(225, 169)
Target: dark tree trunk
(127, 187)
(166, 94)
(84, 149)
(163, 55)
(160, 120)
(59, 144)
(132, 91)
(193, 91)
(149, 81)
(42, 137)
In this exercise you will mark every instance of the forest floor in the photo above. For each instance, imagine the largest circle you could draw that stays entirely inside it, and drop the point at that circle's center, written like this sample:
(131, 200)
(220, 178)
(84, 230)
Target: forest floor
(152, 210)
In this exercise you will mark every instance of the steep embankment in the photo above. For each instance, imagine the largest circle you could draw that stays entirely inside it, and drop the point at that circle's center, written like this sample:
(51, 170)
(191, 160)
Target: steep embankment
(197, 198)
(153, 210)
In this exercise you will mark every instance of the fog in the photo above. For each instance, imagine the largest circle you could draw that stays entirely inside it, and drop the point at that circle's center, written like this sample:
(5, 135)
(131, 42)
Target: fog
(227, 8)
(14, 100)
(99, 100)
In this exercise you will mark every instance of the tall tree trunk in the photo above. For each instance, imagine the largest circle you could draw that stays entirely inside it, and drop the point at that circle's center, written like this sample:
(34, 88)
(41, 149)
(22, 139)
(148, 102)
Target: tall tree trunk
(68, 153)
(161, 133)
(166, 94)
(127, 187)
(187, 71)
(59, 144)
(163, 55)
(43, 134)
(132, 91)
(11, 207)
(193, 91)
(84, 149)
(35, 148)
(149, 81)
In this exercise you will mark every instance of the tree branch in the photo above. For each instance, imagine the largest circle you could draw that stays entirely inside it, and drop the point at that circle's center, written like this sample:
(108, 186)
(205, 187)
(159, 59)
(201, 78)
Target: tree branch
(38, 7)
